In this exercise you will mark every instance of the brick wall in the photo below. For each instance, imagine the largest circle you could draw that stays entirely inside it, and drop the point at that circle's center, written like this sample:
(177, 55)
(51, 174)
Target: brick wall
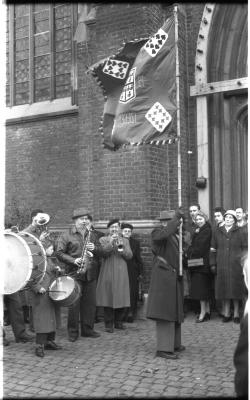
(59, 164)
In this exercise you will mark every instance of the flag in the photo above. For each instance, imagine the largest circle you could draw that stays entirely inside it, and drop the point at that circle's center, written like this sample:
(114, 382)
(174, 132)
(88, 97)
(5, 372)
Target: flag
(146, 110)
(140, 88)
(111, 74)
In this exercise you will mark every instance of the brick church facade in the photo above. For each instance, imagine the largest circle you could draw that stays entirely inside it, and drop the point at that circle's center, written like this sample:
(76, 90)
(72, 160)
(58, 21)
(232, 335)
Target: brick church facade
(55, 159)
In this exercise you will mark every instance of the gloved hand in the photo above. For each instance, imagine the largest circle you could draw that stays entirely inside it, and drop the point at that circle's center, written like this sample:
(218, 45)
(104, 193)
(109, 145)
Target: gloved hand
(180, 213)
(180, 278)
(58, 270)
(213, 269)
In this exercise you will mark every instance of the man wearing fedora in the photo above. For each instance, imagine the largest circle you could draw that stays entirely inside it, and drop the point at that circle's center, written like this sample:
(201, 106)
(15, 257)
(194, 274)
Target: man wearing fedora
(81, 240)
(165, 297)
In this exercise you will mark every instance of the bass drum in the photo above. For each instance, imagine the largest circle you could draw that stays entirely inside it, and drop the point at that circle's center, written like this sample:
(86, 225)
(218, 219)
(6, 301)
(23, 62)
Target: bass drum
(25, 262)
(64, 291)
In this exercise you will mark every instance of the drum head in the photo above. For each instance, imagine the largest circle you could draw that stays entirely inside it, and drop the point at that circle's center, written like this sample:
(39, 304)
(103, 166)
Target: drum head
(61, 288)
(18, 263)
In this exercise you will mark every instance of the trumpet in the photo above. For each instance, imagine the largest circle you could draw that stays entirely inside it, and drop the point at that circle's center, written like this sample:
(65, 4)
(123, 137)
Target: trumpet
(86, 254)
(118, 243)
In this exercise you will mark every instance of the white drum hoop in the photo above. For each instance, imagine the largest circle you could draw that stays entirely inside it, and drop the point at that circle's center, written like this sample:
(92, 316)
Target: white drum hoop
(29, 256)
(64, 291)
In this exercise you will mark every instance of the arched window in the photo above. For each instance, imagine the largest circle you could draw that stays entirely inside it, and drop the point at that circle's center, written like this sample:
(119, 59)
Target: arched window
(40, 52)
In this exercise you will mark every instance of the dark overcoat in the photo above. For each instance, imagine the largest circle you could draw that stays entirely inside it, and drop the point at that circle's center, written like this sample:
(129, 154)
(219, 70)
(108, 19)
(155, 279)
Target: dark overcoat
(227, 249)
(200, 247)
(25, 295)
(165, 296)
(46, 315)
(135, 268)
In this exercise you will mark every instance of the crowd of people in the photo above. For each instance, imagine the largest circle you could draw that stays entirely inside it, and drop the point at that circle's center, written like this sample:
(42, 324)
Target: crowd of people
(108, 269)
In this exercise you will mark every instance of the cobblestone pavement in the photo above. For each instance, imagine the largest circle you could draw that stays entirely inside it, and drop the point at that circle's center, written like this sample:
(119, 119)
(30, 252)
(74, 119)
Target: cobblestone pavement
(123, 364)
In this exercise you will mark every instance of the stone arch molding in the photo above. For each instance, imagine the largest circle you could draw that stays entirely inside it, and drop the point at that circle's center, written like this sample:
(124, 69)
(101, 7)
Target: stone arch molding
(201, 104)
(202, 44)
(201, 90)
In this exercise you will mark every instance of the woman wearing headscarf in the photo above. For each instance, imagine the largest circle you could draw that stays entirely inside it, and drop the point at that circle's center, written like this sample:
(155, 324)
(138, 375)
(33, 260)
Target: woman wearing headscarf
(201, 278)
(227, 247)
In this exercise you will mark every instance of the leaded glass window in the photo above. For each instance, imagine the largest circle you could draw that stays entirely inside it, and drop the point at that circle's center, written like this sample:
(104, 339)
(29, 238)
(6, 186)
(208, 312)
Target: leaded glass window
(40, 52)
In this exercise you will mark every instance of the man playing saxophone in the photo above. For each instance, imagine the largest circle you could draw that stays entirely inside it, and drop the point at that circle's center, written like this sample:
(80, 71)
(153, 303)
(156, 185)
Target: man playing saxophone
(79, 249)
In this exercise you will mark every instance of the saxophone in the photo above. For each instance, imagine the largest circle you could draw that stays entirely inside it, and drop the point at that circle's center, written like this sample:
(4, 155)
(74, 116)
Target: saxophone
(86, 256)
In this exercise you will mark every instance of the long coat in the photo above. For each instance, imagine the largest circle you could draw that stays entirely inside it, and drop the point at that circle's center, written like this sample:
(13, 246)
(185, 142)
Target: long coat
(200, 247)
(45, 312)
(227, 249)
(113, 283)
(135, 268)
(201, 277)
(25, 295)
(165, 296)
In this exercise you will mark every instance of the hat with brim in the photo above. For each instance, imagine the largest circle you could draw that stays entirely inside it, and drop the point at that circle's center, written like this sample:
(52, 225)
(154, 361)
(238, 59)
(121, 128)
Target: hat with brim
(230, 212)
(80, 212)
(166, 215)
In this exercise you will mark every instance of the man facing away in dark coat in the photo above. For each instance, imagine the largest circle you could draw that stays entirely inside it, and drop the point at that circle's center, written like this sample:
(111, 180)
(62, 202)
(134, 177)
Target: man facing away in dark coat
(165, 297)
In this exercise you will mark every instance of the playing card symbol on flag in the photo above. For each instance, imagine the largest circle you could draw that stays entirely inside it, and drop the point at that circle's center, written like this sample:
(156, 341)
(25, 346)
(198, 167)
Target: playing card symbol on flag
(117, 69)
(154, 44)
(111, 87)
(128, 92)
(158, 117)
(151, 115)
(142, 108)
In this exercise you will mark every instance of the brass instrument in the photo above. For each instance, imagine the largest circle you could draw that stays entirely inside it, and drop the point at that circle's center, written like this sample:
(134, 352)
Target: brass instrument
(86, 254)
(119, 243)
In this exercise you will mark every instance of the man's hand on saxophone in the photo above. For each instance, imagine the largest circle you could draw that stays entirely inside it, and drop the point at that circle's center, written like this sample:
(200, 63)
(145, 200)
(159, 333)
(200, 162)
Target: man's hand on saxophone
(78, 261)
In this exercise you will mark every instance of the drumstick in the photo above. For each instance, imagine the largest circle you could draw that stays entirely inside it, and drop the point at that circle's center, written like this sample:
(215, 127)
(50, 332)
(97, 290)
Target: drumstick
(61, 291)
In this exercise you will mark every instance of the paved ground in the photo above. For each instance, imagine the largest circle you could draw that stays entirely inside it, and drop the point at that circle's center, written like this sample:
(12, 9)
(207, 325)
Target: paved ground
(123, 364)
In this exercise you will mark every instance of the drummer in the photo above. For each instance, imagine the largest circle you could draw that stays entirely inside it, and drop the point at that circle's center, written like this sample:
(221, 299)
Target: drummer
(45, 312)
(39, 223)
(38, 228)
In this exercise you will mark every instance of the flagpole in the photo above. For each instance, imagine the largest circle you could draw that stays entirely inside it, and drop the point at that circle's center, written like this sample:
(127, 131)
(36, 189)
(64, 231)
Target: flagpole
(178, 130)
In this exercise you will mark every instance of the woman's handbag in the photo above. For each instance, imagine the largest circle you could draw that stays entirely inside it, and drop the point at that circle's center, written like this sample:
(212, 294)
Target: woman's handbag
(195, 262)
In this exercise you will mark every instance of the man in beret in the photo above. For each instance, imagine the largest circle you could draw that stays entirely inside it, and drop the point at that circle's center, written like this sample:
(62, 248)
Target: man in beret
(135, 271)
(165, 297)
(79, 249)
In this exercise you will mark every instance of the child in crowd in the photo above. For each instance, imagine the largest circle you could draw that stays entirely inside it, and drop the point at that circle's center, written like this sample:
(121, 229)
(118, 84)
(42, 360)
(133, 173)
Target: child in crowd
(45, 312)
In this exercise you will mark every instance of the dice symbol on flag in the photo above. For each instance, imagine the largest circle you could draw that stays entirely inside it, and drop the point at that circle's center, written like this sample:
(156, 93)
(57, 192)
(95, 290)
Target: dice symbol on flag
(159, 117)
(155, 43)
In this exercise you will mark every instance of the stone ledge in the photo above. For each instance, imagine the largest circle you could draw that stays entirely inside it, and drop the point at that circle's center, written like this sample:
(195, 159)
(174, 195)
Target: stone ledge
(40, 110)
(102, 224)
